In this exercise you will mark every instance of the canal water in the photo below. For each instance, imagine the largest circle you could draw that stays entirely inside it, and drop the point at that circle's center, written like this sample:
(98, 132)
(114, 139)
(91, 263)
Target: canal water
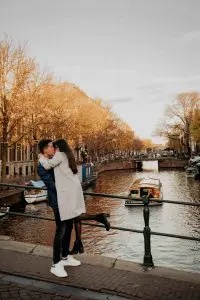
(168, 218)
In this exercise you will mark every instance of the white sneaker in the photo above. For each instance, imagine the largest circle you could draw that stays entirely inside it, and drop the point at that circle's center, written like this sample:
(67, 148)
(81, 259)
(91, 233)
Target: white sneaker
(58, 270)
(70, 261)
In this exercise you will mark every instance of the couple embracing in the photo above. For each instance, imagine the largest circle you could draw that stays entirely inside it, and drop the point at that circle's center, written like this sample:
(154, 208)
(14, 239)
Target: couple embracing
(58, 170)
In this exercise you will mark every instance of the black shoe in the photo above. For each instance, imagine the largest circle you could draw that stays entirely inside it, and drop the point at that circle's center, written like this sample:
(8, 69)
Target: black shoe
(101, 218)
(78, 248)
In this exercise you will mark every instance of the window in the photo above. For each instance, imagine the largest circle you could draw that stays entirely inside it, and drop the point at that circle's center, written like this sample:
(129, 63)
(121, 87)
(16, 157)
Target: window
(20, 171)
(7, 170)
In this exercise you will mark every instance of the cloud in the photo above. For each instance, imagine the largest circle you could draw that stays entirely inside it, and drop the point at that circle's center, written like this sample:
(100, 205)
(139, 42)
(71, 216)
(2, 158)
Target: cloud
(164, 90)
(156, 100)
(120, 100)
(158, 85)
(151, 88)
(81, 69)
(190, 36)
(119, 71)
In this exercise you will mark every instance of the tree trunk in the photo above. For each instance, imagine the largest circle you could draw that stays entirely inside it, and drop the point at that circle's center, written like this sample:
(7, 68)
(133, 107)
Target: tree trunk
(35, 161)
(4, 149)
(188, 149)
(77, 154)
(187, 142)
(3, 163)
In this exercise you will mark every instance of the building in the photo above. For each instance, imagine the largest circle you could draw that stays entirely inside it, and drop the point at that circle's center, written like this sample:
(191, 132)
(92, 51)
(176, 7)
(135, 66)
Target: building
(19, 160)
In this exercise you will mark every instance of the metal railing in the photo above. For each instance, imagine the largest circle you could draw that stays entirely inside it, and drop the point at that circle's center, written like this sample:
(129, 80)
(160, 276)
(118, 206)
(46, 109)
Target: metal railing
(148, 260)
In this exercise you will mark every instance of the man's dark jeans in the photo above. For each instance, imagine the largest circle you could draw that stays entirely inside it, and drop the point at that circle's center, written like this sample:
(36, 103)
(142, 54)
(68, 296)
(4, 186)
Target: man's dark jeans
(62, 237)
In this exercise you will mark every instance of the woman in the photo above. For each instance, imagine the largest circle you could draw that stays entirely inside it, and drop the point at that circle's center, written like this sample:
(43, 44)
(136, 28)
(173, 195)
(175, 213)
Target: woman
(69, 190)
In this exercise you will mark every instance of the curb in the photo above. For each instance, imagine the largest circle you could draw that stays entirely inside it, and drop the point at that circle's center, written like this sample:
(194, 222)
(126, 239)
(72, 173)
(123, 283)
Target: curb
(7, 243)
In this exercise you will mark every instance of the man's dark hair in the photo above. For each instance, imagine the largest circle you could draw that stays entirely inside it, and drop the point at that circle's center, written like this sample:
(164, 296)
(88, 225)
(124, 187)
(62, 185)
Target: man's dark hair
(43, 144)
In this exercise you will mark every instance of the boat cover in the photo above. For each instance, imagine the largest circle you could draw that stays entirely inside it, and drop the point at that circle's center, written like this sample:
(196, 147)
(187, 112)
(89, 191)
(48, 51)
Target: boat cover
(38, 183)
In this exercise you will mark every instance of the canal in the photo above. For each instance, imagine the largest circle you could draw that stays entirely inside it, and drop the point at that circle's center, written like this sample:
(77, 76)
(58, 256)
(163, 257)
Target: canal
(168, 218)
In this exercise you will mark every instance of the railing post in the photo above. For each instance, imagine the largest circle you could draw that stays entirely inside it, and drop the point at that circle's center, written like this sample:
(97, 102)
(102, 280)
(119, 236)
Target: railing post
(148, 261)
(83, 172)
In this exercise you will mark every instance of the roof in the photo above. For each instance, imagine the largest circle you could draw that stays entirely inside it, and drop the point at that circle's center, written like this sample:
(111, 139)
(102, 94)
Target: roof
(145, 182)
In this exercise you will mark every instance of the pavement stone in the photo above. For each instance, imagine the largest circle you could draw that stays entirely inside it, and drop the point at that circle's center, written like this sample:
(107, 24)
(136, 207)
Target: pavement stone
(124, 283)
(11, 291)
(20, 247)
(15, 291)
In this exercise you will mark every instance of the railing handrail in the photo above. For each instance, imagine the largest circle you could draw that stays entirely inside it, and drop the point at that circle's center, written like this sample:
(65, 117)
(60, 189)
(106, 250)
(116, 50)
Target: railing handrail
(148, 260)
(104, 195)
(191, 238)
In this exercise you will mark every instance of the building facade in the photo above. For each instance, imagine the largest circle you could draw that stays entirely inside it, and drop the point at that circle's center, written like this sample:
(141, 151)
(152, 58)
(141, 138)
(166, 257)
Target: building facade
(19, 160)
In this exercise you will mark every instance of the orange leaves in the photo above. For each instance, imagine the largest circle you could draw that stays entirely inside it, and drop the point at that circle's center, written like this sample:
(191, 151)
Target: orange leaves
(34, 106)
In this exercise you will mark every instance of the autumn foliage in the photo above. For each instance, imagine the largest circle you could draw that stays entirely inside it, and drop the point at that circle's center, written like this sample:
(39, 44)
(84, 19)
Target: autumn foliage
(181, 123)
(33, 105)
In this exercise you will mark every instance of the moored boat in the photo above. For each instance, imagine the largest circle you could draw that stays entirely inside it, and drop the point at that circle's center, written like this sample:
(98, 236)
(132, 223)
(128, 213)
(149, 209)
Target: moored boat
(33, 196)
(192, 172)
(193, 168)
(3, 211)
(141, 187)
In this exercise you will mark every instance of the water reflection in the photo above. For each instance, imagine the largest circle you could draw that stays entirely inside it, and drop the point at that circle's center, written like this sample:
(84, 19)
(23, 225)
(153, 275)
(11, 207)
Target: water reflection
(168, 218)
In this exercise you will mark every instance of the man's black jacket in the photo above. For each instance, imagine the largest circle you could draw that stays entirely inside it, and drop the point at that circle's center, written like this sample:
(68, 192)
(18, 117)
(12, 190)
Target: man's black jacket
(47, 176)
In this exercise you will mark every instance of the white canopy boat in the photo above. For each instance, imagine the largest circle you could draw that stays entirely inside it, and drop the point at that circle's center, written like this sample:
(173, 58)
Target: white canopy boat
(145, 186)
(33, 196)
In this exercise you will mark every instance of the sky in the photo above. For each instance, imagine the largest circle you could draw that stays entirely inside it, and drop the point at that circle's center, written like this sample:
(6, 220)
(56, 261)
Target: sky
(136, 55)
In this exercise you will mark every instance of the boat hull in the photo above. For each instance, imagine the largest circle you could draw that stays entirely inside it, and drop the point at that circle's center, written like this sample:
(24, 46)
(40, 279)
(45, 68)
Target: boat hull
(30, 198)
(191, 175)
(2, 213)
(140, 203)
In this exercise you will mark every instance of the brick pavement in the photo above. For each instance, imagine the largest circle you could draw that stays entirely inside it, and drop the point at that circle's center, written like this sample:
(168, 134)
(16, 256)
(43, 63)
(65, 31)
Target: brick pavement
(129, 284)
(12, 291)
(30, 289)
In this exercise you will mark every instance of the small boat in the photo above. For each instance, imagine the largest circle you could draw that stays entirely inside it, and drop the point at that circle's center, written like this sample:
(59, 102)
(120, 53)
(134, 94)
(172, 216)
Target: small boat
(3, 211)
(141, 187)
(192, 172)
(195, 159)
(33, 196)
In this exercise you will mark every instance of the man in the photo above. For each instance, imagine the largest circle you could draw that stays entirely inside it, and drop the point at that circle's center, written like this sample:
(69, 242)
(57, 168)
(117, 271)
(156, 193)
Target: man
(63, 228)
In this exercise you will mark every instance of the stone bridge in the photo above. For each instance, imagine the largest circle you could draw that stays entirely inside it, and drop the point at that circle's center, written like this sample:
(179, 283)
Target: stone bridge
(137, 163)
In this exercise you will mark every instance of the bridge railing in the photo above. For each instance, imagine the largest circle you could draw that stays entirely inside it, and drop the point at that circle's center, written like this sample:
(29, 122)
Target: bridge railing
(148, 260)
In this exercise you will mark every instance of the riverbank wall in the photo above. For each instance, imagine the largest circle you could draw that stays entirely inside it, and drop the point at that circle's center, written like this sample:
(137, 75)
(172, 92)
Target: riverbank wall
(179, 164)
(119, 165)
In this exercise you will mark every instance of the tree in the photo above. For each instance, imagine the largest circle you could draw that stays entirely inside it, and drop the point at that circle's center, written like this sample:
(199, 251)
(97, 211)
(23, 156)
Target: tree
(15, 70)
(179, 117)
(34, 106)
(174, 143)
(148, 144)
(195, 127)
(138, 144)
(40, 104)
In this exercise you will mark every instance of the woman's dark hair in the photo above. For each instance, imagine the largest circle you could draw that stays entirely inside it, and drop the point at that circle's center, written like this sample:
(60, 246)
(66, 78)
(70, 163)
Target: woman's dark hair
(64, 147)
